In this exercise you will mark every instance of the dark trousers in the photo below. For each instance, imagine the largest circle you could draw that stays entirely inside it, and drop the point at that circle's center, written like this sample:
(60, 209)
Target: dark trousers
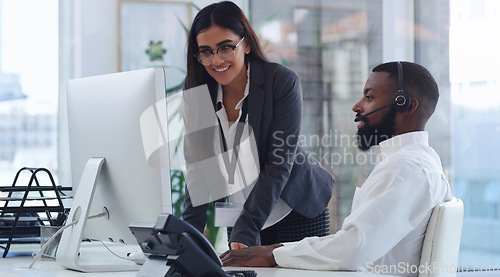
(294, 227)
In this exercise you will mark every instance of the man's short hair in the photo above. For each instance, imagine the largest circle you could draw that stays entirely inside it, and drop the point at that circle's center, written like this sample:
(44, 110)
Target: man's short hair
(418, 82)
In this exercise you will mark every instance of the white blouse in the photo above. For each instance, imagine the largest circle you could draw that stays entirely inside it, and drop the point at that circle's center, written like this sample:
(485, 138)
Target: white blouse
(238, 196)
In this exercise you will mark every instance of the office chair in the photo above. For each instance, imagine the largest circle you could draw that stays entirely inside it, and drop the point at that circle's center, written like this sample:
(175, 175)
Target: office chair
(442, 240)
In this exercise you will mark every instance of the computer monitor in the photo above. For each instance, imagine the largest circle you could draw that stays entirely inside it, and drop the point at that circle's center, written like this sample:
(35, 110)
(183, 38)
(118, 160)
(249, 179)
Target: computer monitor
(110, 171)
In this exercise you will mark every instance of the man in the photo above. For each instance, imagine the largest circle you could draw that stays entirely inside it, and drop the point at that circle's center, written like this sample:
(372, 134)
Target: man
(390, 211)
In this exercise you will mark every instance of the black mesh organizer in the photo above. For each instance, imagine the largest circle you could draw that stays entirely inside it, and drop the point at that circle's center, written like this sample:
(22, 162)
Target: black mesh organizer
(24, 208)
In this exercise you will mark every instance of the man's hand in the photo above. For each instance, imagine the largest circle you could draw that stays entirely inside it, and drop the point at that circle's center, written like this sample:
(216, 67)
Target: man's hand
(237, 245)
(256, 256)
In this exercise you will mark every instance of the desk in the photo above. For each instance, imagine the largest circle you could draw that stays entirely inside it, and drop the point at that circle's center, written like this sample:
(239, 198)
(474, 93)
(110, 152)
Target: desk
(17, 266)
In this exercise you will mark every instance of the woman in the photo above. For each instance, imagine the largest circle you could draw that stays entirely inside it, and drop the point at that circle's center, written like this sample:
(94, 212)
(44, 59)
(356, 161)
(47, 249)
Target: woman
(289, 196)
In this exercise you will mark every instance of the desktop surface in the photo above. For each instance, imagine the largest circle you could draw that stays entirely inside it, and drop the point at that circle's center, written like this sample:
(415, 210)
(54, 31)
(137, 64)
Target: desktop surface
(17, 266)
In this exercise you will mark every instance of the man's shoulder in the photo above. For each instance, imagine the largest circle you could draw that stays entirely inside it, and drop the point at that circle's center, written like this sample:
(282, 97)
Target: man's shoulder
(418, 156)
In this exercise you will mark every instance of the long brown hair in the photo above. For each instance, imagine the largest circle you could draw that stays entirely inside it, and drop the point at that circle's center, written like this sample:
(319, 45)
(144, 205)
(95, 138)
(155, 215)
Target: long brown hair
(227, 15)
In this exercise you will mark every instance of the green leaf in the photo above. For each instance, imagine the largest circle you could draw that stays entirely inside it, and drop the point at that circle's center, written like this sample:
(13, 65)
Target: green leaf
(211, 224)
(196, 7)
(186, 29)
(284, 61)
(178, 180)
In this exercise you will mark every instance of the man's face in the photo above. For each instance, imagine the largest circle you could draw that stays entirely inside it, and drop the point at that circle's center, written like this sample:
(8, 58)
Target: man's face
(380, 125)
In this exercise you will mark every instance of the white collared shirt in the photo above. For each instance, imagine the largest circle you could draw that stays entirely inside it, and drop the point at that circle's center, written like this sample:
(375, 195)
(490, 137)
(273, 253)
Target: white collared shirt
(389, 214)
(281, 209)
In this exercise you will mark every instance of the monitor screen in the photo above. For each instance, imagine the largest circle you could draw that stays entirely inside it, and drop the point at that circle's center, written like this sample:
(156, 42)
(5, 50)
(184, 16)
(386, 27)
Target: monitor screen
(110, 171)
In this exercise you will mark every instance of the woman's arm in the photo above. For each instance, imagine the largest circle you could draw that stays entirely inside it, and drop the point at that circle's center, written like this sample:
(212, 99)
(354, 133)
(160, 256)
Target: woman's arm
(282, 145)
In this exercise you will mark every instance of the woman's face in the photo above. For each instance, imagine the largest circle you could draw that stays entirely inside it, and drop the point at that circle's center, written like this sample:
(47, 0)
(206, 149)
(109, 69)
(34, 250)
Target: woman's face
(223, 71)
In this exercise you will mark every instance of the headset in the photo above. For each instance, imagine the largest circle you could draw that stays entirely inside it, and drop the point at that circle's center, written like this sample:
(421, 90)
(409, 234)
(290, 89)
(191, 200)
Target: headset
(400, 101)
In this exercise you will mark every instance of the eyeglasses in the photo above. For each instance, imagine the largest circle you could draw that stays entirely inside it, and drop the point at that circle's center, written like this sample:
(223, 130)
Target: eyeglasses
(226, 52)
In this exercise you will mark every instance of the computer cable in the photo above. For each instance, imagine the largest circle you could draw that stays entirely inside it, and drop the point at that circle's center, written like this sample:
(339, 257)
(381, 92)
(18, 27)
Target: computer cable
(52, 238)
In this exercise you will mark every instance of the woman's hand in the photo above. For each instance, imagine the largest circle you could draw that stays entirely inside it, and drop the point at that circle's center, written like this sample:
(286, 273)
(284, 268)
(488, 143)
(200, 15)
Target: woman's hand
(256, 256)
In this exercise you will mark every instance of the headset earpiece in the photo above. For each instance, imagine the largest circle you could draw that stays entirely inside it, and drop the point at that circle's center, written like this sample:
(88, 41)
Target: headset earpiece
(401, 101)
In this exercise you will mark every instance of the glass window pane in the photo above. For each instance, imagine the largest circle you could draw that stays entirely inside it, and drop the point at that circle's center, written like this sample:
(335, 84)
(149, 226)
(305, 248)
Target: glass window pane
(28, 86)
(475, 102)
(333, 44)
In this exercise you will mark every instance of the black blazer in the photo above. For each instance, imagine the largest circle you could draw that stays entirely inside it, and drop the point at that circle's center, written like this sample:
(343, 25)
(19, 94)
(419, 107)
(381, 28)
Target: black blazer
(286, 170)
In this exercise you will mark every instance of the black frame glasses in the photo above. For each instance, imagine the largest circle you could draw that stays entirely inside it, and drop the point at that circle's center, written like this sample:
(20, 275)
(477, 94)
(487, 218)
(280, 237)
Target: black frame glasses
(206, 57)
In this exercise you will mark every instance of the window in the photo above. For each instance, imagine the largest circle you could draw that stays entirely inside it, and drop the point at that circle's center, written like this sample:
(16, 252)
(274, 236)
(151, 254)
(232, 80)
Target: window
(475, 102)
(28, 86)
(332, 45)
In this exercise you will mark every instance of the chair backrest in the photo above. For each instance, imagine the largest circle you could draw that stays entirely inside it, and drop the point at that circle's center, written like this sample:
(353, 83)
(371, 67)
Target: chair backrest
(442, 240)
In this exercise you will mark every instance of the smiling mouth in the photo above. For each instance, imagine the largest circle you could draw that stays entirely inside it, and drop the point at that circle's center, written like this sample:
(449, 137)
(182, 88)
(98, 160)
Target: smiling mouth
(222, 69)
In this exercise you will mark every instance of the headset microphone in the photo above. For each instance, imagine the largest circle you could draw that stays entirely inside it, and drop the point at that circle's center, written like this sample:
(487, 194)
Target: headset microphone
(361, 117)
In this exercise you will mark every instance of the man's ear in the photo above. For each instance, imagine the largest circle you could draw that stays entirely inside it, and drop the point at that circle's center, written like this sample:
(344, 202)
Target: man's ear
(413, 107)
(409, 120)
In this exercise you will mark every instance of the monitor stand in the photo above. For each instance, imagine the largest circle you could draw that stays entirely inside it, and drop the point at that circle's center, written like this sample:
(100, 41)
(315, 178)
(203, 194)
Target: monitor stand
(69, 247)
